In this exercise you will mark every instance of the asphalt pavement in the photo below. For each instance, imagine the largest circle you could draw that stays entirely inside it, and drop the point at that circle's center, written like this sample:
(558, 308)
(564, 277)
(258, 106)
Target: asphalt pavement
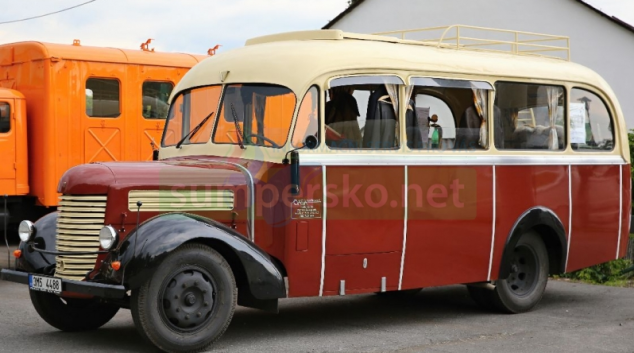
(572, 317)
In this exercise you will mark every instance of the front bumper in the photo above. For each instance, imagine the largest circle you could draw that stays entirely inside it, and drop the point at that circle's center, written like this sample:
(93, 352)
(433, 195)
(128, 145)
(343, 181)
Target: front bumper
(89, 288)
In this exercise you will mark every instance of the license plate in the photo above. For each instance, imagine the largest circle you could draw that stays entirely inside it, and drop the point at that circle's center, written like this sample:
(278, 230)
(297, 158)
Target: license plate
(45, 284)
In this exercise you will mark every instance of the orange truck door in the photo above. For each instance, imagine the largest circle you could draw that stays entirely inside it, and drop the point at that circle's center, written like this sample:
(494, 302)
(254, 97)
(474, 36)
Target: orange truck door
(7, 148)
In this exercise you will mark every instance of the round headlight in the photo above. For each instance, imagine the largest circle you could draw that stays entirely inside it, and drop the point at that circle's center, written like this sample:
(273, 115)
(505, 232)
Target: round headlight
(107, 237)
(26, 230)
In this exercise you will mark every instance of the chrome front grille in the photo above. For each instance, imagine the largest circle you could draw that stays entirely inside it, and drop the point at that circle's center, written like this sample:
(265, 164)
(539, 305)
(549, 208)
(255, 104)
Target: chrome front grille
(78, 224)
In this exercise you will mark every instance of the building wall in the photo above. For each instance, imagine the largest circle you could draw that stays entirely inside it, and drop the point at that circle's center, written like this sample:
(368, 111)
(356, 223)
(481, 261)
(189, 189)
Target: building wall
(596, 42)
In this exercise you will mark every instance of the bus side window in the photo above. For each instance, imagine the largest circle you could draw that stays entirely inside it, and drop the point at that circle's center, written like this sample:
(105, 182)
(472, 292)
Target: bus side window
(5, 117)
(531, 117)
(154, 99)
(591, 127)
(307, 119)
(103, 98)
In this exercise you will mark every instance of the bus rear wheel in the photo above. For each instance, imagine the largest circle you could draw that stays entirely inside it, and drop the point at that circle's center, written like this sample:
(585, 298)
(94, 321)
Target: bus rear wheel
(525, 286)
(188, 302)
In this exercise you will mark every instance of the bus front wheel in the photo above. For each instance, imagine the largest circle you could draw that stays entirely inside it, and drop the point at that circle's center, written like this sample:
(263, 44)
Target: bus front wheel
(188, 302)
(525, 286)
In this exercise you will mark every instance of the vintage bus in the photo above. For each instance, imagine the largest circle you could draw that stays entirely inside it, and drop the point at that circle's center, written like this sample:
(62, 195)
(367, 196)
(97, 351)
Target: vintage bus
(62, 105)
(325, 163)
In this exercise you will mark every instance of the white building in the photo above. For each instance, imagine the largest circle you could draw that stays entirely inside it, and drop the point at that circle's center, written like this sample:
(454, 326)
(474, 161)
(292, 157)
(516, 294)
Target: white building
(599, 41)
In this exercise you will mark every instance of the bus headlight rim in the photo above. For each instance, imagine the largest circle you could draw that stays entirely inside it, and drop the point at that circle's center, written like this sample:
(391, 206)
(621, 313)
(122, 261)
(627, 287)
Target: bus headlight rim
(107, 237)
(26, 230)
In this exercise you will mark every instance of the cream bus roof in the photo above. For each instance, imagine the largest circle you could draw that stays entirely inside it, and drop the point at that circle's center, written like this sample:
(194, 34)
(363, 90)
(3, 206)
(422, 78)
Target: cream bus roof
(296, 59)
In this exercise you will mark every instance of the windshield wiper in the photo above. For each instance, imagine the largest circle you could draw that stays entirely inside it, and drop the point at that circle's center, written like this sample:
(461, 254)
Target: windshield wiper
(238, 131)
(194, 130)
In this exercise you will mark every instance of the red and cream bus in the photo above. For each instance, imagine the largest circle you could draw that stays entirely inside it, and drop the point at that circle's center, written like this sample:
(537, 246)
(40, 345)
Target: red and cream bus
(325, 163)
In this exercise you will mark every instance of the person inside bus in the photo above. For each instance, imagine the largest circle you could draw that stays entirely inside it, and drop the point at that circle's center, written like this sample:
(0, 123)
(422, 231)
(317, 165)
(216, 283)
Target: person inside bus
(342, 111)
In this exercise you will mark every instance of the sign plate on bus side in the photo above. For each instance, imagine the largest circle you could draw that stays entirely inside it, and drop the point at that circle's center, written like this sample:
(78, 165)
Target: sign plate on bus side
(45, 284)
(305, 209)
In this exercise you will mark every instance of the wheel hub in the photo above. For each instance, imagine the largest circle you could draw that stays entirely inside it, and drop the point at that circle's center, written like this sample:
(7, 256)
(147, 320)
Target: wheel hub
(524, 269)
(188, 299)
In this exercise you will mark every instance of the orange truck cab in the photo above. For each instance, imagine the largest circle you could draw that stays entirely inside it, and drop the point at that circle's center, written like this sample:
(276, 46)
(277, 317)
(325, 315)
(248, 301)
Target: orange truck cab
(81, 105)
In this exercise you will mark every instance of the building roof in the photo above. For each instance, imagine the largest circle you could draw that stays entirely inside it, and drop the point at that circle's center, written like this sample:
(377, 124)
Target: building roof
(611, 18)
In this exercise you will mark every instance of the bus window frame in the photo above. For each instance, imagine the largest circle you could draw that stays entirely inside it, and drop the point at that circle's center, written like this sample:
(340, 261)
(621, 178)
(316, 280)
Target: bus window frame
(484, 83)
(609, 107)
(343, 78)
(119, 99)
(566, 88)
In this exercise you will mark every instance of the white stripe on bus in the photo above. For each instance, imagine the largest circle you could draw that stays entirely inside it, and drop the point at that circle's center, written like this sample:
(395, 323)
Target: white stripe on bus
(618, 238)
(323, 232)
(492, 227)
(405, 201)
(569, 214)
(379, 158)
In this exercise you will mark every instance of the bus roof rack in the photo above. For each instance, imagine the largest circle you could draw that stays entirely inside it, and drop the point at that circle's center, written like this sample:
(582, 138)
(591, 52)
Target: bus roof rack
(465, 37)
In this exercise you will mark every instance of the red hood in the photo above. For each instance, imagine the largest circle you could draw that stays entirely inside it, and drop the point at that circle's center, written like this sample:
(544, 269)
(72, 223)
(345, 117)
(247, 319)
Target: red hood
(97, 178)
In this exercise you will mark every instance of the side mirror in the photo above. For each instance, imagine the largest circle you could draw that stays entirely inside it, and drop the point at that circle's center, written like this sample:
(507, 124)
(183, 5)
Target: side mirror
(294, 163)
(155, 155)
(311, 142)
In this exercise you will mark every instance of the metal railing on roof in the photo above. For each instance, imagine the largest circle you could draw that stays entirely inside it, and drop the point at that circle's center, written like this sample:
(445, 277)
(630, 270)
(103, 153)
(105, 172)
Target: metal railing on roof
(489, 39)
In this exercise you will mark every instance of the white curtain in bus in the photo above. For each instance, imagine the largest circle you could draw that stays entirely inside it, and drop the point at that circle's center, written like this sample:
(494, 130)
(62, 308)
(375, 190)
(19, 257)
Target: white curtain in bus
(553, 105)
(392, 91)
(480, 101)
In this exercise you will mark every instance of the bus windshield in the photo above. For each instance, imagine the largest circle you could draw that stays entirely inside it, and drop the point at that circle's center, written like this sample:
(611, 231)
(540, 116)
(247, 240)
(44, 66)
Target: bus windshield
(255, 115)
(188, 111)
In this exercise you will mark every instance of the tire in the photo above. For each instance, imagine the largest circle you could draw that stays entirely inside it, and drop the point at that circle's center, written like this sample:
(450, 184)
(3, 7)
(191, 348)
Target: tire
(399, 294)
(72, 314)
(188, 302)
(525, 286)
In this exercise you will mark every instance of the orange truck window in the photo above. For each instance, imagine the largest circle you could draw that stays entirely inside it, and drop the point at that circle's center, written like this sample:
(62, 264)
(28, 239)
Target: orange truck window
(155, 95)
(102, 98)
(263, 112)
(5, 117)
(188, 110)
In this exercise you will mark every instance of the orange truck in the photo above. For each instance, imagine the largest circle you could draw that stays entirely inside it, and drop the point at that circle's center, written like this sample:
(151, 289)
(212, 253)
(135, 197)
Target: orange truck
(64, 105)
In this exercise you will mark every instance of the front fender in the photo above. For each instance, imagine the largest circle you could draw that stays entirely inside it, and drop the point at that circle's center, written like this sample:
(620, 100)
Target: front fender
(37, 262)
(158, 237)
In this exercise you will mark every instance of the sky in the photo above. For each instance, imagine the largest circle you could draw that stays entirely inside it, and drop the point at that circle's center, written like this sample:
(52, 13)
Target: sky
(190, 26)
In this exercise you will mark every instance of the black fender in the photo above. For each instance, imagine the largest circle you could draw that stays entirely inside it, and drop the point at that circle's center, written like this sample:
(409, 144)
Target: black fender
(545, 222)
(45, 238)
(158, 237)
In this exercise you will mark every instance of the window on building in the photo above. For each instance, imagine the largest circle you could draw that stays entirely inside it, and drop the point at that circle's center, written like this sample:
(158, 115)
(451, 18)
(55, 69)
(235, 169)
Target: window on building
(5, 117)
(307, 119)
(447, 114)
(155, 95)
(531, 117)
(362, 113)
(102, 98)
(591, 126)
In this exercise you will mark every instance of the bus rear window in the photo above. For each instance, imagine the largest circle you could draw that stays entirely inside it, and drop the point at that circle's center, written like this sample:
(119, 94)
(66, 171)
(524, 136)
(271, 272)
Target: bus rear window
(255, 114)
